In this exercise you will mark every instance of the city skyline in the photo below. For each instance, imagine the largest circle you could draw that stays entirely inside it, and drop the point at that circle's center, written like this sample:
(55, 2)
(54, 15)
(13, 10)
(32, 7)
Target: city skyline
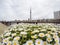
(20, 9)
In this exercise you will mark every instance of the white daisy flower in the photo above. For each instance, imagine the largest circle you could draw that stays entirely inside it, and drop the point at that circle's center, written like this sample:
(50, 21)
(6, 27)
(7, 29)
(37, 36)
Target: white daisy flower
(41, 35)
(7, 34)
(9, 43)
(17, 38)
(45, 43)
(53, 29)
(56, 44)
(23, 33)
(38, 42)
(35, 31)
(56, 38)
(5, 40)
(20, 29)
(58, 31)
(48, 35)
(14, 34)
(30, 42)
(9, 38)
(54, 34)
(39, 28)
(49, 32)
(34, 36)
(24, 44)
(15, 29)
(43, 30)
(49, 39)
(15, 43)
(11, 29)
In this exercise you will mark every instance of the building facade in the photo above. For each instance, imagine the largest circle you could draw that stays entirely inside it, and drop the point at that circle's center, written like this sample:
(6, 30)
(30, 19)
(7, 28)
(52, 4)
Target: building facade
(57, 15)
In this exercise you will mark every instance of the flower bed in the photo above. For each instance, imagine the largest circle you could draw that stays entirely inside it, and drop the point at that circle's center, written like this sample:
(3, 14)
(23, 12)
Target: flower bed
(31, 34)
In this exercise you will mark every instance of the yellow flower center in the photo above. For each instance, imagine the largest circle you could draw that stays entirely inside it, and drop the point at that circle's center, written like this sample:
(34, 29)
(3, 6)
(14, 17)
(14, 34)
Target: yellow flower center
(15, 43)
(38, 42)
(49, 32)
(8, 44)
(17, 39)
(55, 37)
(44, 43)
(56, 40)
(30, 43)
(57, 44)
(41, 35)
(5, 40)
(49, 39)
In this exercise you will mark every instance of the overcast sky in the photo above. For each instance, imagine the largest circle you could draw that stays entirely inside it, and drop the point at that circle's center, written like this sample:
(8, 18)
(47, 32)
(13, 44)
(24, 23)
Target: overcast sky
(19, 9)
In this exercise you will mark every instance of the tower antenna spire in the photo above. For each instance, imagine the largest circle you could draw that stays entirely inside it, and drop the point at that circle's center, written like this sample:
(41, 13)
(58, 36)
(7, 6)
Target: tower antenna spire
(30, 14)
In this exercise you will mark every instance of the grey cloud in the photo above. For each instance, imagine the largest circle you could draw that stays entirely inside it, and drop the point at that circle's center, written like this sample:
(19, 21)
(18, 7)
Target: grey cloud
(19, 9)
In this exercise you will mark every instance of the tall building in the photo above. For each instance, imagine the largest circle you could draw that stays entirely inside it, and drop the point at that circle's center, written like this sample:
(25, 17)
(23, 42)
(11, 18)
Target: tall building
(30, 14)
(57, 15)
(30, 17)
